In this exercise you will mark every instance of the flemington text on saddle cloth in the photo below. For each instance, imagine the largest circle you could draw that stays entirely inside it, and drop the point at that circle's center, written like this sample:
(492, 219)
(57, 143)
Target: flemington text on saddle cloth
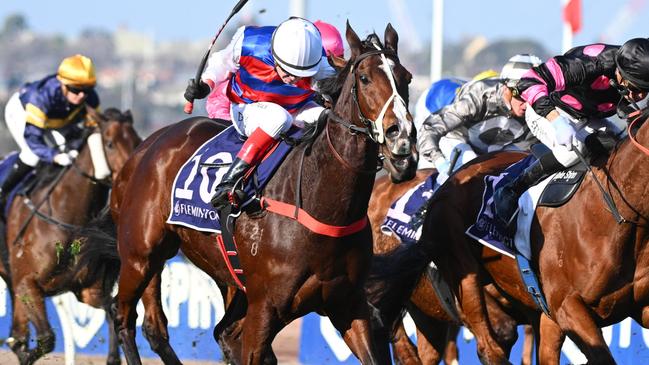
(196, 180)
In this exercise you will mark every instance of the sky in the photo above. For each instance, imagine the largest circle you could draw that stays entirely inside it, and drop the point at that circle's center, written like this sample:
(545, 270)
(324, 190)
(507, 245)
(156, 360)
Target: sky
(200, 19)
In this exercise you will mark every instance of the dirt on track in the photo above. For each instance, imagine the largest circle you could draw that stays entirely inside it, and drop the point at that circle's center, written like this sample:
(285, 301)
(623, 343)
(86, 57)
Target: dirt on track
(286, 347)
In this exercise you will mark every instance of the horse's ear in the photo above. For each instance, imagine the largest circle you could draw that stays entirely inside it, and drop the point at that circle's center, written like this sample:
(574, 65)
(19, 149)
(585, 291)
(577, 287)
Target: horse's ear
(354, 42)
(337, 62)
(94, 118)
(391, 38)
(128, 116)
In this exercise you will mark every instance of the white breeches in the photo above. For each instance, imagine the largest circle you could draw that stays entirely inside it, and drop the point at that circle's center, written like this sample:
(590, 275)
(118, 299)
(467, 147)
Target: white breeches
(545, 132)
(271, 118)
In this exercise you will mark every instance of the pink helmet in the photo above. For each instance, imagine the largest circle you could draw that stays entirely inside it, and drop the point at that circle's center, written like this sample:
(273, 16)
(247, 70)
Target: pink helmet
(331, 39)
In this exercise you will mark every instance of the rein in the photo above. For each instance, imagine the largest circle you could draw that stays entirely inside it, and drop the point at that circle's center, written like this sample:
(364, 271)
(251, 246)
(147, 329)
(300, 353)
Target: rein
(94, 180)
(637, 116)
(34, 208)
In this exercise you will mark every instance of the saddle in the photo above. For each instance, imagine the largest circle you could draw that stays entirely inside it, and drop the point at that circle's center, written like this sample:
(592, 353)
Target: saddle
(564, 184)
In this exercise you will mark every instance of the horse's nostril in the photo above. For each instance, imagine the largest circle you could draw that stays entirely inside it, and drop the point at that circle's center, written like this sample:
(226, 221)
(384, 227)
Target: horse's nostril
(393, 131)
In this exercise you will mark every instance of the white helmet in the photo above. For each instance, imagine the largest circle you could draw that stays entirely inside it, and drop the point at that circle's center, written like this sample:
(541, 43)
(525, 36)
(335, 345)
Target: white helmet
(297, 47)
(517, 66)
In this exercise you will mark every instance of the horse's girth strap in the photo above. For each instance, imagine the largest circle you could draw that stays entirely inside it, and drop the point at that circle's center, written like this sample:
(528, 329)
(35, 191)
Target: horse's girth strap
(288, 210)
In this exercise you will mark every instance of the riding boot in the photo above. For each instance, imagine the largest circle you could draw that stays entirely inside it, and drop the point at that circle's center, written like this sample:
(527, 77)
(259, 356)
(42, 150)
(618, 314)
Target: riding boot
(251, 153)
(506, 197)
(18, 170)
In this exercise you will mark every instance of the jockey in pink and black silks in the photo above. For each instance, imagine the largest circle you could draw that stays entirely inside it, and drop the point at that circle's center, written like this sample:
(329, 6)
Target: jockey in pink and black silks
(570, 97)
(270, 74)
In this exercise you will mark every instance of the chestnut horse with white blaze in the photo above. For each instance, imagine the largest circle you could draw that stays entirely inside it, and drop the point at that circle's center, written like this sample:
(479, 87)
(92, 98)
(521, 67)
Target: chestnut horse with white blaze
(294, 270)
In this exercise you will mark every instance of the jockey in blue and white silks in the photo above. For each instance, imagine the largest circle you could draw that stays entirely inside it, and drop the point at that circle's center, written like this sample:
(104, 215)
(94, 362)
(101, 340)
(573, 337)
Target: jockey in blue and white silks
(270, 73)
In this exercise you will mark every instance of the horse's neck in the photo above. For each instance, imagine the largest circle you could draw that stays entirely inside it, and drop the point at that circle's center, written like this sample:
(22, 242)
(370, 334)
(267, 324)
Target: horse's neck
(347, 184)
(74, 196)
(629, 173)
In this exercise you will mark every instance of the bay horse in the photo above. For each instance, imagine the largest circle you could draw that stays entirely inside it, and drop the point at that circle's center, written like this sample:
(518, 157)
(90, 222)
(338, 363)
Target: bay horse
(592, 269)
(294, 270)
(436, 329)
(43, 256)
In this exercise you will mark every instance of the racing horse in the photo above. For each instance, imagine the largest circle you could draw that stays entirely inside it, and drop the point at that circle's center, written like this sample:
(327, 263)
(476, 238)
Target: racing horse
(44, 258)
(591, 256)
(436, 328)
(292, 270)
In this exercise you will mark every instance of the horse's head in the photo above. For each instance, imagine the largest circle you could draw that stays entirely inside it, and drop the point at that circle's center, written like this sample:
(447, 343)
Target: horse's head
(380, 91)
(118, 138)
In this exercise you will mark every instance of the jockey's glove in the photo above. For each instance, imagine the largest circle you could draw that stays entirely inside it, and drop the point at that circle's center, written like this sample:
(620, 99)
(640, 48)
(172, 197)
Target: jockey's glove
(196, 90)
(63, 159)
(431, 131)
(564, 131)
(73, 153)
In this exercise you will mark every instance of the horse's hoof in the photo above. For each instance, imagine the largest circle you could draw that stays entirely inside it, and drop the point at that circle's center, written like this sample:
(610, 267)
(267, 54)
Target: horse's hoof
(113, 360)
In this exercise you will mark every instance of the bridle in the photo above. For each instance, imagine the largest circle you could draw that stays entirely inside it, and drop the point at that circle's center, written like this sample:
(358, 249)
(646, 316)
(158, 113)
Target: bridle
(375, 127)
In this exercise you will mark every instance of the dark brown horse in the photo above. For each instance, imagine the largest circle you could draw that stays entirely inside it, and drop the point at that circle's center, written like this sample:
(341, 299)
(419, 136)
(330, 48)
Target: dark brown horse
(436, 329)
(593, 270)
(44, 259)
(294, 271)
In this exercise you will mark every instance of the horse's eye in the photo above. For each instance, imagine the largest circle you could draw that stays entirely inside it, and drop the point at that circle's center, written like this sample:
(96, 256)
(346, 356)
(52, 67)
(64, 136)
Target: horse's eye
(109, 145)
(364, 79)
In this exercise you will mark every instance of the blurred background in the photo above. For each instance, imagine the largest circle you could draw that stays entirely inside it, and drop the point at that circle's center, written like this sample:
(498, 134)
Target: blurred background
(146, 51)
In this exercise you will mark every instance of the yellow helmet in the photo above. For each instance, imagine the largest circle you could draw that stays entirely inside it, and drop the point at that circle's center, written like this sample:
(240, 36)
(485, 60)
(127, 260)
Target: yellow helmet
(77, 70)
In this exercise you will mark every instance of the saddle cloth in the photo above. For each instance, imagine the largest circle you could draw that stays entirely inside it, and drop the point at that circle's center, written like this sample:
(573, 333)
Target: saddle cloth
(5, 167)
(553, 191)
(399, 217)
(195, 182)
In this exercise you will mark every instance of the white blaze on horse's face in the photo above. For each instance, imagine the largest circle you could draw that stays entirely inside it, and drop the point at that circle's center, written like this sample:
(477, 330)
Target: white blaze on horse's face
(98, 156)
(399, 107)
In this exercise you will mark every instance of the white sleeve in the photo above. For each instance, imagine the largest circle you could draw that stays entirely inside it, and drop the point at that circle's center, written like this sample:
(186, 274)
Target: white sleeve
(226, 61)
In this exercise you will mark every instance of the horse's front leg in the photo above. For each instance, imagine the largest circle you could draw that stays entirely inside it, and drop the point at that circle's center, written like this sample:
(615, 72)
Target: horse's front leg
(143, 250)
(351, 318)
(29, 306)
(550, 341)
(575, 319)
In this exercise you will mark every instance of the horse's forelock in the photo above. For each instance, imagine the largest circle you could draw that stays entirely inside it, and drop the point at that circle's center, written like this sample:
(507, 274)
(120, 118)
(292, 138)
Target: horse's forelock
(372, 41)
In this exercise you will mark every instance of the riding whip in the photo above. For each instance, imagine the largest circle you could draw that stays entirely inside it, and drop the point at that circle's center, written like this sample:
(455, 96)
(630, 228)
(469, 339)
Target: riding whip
(189, 105)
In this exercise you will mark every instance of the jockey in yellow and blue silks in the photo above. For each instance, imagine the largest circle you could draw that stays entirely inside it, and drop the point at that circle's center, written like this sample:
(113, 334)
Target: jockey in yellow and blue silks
(43, 117)
(270, 73)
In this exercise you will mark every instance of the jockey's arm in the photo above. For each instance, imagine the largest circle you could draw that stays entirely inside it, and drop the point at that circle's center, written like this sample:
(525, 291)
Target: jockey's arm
(35, 139)
(469, 106)
(557, 74)
(224, 62)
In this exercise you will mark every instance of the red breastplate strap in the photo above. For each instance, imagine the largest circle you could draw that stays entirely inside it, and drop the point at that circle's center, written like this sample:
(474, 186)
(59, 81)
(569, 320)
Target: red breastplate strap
(288, 210)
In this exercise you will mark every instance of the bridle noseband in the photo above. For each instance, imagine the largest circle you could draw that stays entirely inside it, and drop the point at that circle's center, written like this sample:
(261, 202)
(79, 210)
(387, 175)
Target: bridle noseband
(375, 127)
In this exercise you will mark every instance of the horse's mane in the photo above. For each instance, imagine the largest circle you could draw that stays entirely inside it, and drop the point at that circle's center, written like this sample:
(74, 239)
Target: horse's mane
(46, 173)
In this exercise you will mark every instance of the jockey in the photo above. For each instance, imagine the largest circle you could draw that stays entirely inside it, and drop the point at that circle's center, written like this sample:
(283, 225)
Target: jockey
(476, 102)
(270, 73)
(570, 95)
(332, 42)
(43, 117)
(218, 104)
